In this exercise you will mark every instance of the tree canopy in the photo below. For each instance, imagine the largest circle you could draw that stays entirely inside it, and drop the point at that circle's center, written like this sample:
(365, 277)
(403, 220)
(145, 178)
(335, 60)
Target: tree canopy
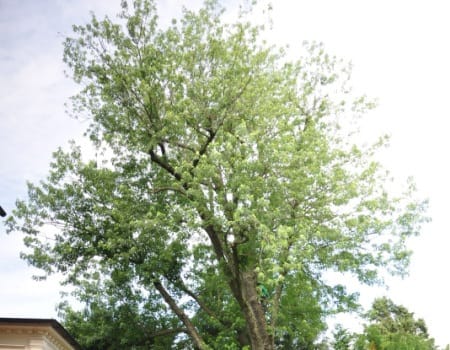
(226, 186)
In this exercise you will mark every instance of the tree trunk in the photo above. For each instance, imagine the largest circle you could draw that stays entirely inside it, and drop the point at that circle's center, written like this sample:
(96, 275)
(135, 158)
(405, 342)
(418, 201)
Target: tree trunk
(254, 313)
(243, 284)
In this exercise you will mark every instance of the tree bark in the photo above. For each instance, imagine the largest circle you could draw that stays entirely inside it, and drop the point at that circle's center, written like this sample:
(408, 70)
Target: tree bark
(254, 313)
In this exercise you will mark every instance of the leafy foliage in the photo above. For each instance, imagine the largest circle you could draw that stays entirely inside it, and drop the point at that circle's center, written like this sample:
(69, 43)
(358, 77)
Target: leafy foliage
(394, 327)
(224, 167)
(342, 339)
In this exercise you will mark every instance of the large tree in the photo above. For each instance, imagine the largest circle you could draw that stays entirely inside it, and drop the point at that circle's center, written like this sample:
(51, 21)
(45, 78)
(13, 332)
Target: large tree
(226, 186)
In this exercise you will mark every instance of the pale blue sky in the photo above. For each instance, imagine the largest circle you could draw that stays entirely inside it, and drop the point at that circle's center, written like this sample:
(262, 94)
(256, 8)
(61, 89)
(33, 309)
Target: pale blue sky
(401, 54)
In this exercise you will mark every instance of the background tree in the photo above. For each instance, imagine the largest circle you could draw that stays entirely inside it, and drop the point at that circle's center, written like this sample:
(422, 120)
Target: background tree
(394, 327)
(342, 338)
(221, 167)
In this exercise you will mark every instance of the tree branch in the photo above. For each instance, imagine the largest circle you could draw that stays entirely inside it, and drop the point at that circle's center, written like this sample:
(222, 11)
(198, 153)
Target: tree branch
(212, 133)
(203, 149)
(180, 144)
(202, 305)
(223, 256)
(162, 148)
(163, 164)
(168, 188)
(190, 328)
